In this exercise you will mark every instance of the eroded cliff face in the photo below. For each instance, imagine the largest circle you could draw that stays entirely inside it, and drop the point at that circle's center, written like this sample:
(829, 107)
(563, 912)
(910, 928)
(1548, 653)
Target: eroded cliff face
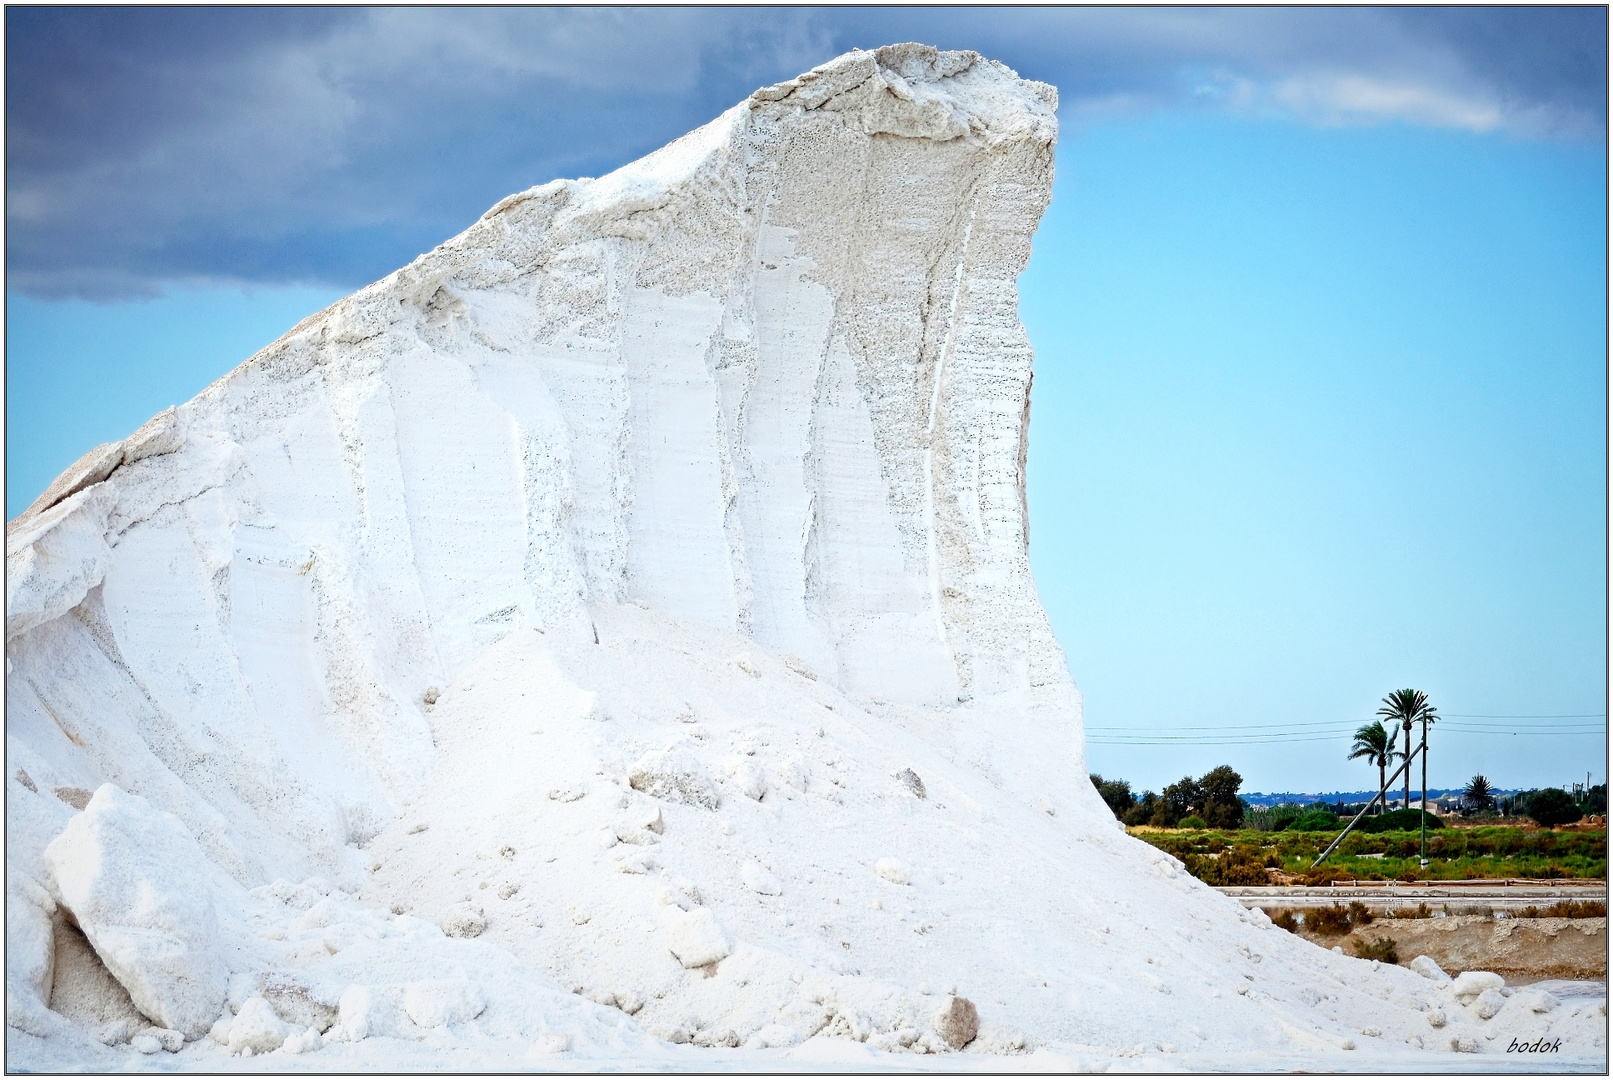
(770, 378)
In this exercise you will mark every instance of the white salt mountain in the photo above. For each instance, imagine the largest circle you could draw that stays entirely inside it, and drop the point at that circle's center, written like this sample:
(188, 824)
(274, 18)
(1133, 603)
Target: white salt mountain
(612, 635)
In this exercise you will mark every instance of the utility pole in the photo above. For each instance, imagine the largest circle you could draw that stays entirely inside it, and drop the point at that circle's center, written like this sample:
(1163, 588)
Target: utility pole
(1422, 819)
(1406, 801)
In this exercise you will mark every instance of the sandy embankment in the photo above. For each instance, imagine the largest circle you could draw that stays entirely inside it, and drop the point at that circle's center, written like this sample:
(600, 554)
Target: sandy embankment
(1520, 950)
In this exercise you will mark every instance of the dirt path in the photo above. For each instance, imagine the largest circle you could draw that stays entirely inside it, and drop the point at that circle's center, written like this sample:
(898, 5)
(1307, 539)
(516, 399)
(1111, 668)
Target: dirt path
(1520, 950)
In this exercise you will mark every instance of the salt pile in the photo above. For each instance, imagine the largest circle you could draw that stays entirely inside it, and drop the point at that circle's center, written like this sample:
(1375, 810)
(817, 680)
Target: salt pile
(611, 639)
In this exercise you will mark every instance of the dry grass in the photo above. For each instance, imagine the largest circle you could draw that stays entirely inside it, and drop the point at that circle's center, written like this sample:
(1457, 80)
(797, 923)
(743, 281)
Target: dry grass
(1567, 909)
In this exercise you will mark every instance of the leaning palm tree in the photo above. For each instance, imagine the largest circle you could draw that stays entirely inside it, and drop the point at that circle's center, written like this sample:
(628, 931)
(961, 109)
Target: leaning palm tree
(1407, 707)
(1376, 743)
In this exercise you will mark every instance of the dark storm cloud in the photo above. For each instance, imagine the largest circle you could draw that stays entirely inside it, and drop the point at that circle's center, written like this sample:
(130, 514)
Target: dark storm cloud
(149, 145)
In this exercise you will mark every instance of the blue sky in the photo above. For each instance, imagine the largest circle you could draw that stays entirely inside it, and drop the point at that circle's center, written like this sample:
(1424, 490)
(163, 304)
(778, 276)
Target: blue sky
(1319, 310)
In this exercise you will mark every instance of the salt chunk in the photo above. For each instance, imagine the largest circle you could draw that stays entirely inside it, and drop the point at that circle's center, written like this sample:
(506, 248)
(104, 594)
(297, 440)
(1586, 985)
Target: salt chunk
(957, 1022)
(748, 777)
(1488, 1003)
(669, 1033)
(794, 772)
(30, 953)
(1464, 1045)
(434, 1002)
(894, 871)
(302, 1042)
(146, 1044)
(910, 780)
(299, 1003)
(463, 921)
(1470, 984)
(1436, 1018)
(370, 1010)
(1539, 1001)
(257, 1028)
(674, 775)
(136, 883)
(1429, 968)
(696, 938)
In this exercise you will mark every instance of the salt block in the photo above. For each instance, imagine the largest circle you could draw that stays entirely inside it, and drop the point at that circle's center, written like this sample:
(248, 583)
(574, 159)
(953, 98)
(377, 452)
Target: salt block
(1470, 984)
(696, 938)
(1429, 968)
(370, 1010)
(1539, 1001)
(257, 1028)
(433, 1002)
(298, 1003)
(674, 775)
(137, 884)
(30, 954)
(957, 1022)
(305, 1041)
(1489, 1003)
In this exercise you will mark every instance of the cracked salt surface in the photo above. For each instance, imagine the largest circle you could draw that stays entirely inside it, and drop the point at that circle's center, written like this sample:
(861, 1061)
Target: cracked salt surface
(609, 641)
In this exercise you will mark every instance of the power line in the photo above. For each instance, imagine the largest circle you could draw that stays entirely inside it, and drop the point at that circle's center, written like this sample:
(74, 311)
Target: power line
(1275, 738)
(1535, 716)
(1337, 725)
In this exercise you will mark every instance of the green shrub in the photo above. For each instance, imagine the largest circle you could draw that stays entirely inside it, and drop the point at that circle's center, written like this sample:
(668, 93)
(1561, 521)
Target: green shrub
(1192, 821)
(1315, 820)
(1243, 865)
(1396, 820)
(1116, 794)
(1336, 920)
(1419, 912)
(1553, 806)
(1283, 919)
(1567, 909)
(1383, 949)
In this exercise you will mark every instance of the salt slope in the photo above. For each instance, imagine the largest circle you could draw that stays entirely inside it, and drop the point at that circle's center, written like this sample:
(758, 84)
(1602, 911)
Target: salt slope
(770, 377)
(759, 397)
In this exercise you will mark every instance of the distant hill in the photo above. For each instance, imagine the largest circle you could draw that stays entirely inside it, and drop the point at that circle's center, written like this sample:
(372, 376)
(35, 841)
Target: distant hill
(1260, 798)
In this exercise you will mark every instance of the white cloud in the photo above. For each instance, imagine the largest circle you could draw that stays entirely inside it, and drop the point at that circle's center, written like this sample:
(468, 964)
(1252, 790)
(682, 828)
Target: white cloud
(1340, 99)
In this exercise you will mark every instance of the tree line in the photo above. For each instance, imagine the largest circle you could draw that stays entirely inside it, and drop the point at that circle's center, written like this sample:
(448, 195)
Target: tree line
(1211, 801)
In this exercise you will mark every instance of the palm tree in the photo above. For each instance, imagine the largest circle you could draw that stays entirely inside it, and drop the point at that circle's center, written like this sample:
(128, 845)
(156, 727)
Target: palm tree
(1376, 743)
(1407, 707)
(1478, 794)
